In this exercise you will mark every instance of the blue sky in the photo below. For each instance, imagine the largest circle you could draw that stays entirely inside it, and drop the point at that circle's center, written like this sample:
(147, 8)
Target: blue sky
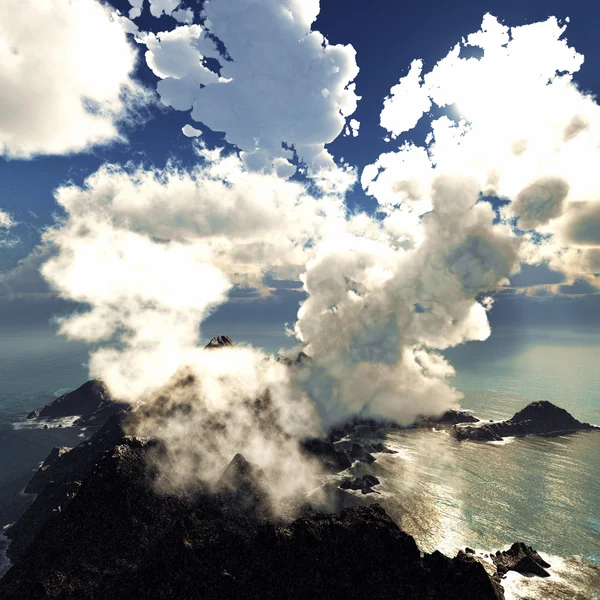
(387, 36)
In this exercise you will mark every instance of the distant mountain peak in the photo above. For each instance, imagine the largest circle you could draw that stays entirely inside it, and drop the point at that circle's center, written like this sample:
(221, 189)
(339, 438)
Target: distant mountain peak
(220, 341)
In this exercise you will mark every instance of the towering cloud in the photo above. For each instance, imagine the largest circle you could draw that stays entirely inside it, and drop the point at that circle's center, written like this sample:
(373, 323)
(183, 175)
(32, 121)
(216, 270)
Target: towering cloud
(65, 77)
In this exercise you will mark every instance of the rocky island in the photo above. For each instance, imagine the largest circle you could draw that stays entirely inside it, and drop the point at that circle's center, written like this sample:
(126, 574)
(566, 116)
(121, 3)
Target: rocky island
(99, 529)
(537, 418)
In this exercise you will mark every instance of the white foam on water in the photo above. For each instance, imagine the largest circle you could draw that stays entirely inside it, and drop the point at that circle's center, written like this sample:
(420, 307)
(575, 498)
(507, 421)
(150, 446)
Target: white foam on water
(504, 441)
(49, 423)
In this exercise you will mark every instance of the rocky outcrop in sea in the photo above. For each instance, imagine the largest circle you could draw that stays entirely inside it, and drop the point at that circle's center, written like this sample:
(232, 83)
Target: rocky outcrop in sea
(91, 402)
(537, 418)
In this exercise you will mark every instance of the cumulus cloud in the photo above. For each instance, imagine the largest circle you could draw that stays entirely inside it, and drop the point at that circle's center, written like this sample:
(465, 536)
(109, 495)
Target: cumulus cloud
(190, 131)
(282, 89)
(377, 313)
(150, 253)
(516, 123)
(153, 252)
(6, 221)
(183, 15)
(72, 97)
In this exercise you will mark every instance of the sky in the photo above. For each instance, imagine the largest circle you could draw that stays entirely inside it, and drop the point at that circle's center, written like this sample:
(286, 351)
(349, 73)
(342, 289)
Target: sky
(378, 183)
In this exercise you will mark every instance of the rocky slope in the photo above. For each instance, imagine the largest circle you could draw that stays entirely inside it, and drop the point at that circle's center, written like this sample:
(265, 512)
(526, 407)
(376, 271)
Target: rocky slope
(91, 402)
(537, 418)
(117, 538)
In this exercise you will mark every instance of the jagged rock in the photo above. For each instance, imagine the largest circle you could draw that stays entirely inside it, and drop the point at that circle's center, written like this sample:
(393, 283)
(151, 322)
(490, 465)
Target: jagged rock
(300, 360)
(91, 400)
(243, 485)
(537, 418)
(332, 459)
(118, 538)
(359, 425)
(522, 559)
(221, 341)
(355, 451)
(364, 484)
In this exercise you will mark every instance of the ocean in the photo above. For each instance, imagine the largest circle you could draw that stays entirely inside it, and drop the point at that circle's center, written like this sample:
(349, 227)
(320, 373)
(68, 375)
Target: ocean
(447, 494)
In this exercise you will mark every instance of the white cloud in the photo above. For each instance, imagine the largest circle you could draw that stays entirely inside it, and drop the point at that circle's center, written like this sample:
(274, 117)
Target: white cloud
(6, 221)
(183, 15)
(136, 8)
(66, 85)
(354, 127)
(407, 102)
(285, 83)
(377, 311)
(516, 123)
(190, 131)
(160, 7)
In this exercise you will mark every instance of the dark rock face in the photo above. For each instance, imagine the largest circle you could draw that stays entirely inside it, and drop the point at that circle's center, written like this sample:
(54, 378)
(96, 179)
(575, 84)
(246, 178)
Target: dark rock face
(450, 417)
(522, 559)
(91, 400)
(118, 538)
(537, 418)
(221, 341)
(43, 475)
(333, 460)
(59, 482)
(364, 484)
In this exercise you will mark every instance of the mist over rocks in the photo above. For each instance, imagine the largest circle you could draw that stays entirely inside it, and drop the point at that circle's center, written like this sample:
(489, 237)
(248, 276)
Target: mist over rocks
(537, 418)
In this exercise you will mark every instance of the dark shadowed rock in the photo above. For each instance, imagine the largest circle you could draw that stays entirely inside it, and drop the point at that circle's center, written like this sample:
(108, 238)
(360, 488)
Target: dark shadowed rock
(522, 559)
(358, 425)
(364, 484)
(92, 401)
(118, 538)
(221, 341)
(355, 451)
(332, 459)
(537, 418)
(60, 481)
(242, 484)
(301, 360)
(379, 447)
(450, 417)
(44, 473)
